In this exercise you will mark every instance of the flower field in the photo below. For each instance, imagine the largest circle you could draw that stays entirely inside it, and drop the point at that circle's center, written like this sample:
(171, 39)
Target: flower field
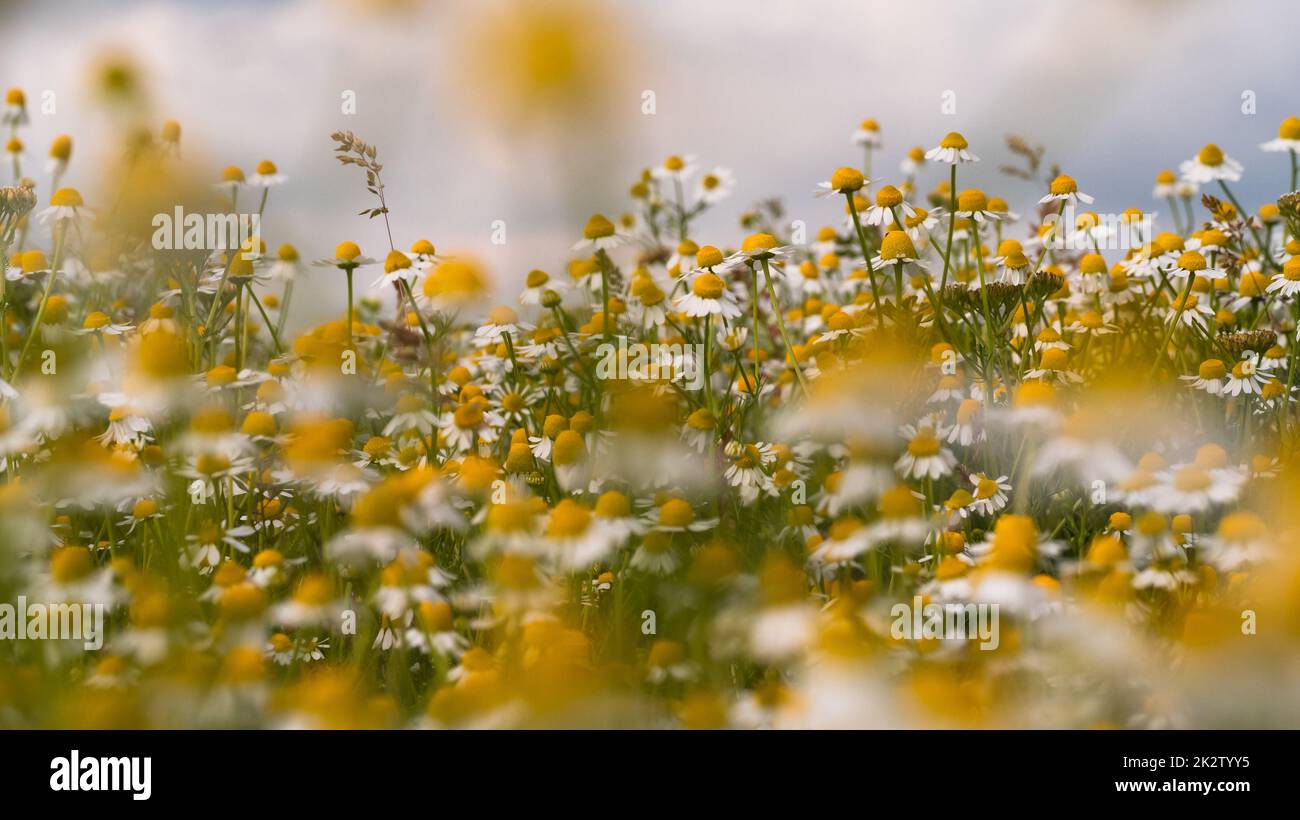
(942, 460)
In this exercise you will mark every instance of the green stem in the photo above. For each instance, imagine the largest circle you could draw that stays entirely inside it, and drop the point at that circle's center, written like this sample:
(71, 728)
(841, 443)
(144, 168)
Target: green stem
(1173, 323)
(780, 323)
(45, 299)
(866, 260)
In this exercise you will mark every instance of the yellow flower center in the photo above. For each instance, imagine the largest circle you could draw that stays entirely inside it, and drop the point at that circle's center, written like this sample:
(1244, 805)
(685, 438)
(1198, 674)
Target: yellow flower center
(613, 504)
(569, 519)
(1192, 261)
(61, 148)
(395, 261)
(1063, 185)
(708, 256)
(502, 315)
(258, 423)
(924, 444)
(514, 516)
(568, 449)
(1092, 263)
(468, 416)
(708, 286)
(898, 502)
(847, 180)
(889, 197)
(1034, 394)
(953, 140)
(1242, 526)
(598, 227)
(33, 261)
(897, 245)
(758, 242)
(972, 199)
(458, 279)
(67, 198)
(986, 488)
(221, 375)
(1052, 358)
(844, 527)
(1210, 155)
(1191, 479)
(676, 513)
(1212, 369)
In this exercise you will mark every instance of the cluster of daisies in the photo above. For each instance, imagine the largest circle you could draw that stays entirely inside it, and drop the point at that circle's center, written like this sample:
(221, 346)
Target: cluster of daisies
(436, 512)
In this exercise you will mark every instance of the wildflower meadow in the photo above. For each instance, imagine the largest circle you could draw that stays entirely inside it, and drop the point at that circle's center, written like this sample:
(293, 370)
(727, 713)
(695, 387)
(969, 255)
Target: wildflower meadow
(944, 457)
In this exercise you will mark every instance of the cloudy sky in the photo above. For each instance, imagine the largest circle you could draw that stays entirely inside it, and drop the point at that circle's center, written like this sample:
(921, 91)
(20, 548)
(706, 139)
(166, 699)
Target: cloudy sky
(483, 112)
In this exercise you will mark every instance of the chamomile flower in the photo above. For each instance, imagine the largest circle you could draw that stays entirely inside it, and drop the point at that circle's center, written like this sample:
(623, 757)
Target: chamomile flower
(1246, 378)
(1190, 310)
(972, 204)
(599, 234)
(347, 256)
(536, 283)
(1242, 540)
(1288, 137)
(287, 265)
(897, 248)
(867, 134)
(675, 168)
(925, 456)
(1193, 263)
(1287, 283)
(468, 425)
(951, 150)
(655, 554)
(708, 296)
(968, 427)
(266, 175)
(27, 264)
(1210, 165)
(748, 469)
(60, 155)
(397, 267)
(845, 180)
(847, 539)
(912, 162)
(989, 495)
(1013, 265)
(14, 112)
(1193, 488)
(1091, 323)
(882, 212)
(715, 186)
(1166, 185)
(66, 208)
(676, 515)
(1065, 189)
(502, 321)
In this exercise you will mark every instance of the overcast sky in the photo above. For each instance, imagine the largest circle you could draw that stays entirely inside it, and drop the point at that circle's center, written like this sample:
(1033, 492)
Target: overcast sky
(772, 90)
